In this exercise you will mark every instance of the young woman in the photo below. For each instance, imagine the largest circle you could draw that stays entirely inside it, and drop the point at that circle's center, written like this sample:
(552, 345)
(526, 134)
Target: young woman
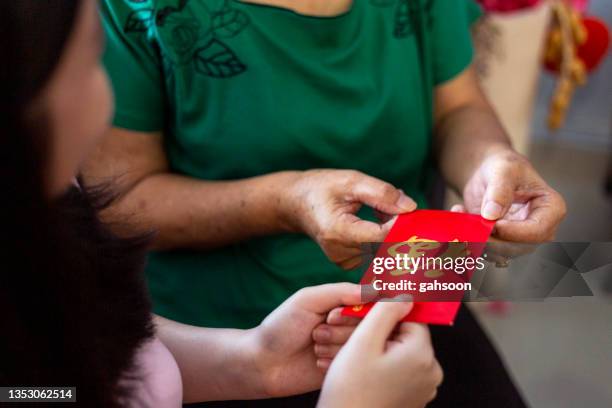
(256, 135)
(74, 306)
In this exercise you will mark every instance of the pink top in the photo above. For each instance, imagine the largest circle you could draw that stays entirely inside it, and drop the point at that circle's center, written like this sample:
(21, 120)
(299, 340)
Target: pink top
(162, 386)
(161, 379)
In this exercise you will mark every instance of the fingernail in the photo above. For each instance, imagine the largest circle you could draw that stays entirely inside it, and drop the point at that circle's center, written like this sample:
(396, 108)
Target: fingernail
(492, 211)
(456, 208)
(322, 334)
(405, 203)
(324, 364)
(338, 320)
(403, 298)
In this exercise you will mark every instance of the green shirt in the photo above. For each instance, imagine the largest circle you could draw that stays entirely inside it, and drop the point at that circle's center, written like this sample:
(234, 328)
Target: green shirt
(242, 90)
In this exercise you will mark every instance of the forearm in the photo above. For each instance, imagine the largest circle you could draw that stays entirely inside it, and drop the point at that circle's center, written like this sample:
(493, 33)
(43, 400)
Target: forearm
(463, 138)
(215, 364)
(191, 213)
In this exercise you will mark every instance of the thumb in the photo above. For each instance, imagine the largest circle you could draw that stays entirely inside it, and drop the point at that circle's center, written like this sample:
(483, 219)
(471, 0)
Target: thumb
(372, 333)
(497, 199)
(323, 298)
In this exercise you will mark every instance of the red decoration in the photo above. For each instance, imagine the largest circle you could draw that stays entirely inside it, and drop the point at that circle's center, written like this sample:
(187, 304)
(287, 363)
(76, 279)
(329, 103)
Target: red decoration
(506, 6)
(595, 48)
(593, 51)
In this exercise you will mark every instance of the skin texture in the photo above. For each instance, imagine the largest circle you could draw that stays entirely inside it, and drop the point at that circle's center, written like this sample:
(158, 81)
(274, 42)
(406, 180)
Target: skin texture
(77, 100)
(278, 357)
(477, 160)
(317, 8)
(392, 357)
(473, 152)
(206, 214)
(274, 359)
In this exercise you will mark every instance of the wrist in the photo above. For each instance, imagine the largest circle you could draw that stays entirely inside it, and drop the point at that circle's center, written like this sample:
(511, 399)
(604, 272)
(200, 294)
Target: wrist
(501, 154)
(288, 200)
(254, 370)
(495, 149)
(260, 369)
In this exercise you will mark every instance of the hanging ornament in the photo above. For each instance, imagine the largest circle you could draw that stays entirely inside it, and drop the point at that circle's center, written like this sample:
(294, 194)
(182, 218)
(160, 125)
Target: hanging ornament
(576, 45)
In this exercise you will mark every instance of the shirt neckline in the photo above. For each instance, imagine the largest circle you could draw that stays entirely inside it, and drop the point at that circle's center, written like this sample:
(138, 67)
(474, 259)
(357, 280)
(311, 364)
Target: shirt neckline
(297, 15)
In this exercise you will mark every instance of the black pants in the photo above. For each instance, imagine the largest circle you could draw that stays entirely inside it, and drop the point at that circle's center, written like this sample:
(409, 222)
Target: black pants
(474, 375)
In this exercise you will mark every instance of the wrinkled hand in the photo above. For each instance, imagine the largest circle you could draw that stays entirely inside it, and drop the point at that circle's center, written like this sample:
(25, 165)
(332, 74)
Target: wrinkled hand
(507, 188)
(324, 203)
(284, 345)
(384, 364)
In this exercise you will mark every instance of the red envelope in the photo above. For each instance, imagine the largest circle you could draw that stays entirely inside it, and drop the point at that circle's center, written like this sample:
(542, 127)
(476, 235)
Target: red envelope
(437, 227)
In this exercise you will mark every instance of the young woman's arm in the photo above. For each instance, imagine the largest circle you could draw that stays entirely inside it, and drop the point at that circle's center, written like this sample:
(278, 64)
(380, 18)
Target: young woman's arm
(283, 355)
(274, 359)
(215, 364)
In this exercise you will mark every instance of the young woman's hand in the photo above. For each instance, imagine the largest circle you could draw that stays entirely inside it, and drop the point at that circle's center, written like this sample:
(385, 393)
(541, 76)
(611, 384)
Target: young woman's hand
(283, 346)
(329, 337)
(507, 188)
(383, 364)
(274, 359)
(324, 203)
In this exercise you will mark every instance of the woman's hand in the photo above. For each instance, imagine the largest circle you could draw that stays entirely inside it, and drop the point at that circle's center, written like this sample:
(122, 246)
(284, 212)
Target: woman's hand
(272, 360)
(383, 364)
(507, 188)
(324, 203)
(282, 347)
(330, 336)
(278, 357)
(476, 157)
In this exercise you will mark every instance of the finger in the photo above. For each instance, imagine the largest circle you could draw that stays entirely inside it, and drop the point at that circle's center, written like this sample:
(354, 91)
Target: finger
(325, 334)
(327, 350)
(381, 195)
(343, 253)
(433, 395)
(546, 213)
(415, 333)
(351, 263)
(417, 329)
(376, 327)
(356, 231)
(323, 363)
(497, 198)
(458, 208)
(335, 317)
(437, 378)
(497, 248)
(321, 299)
(518, 211)
(438, 373)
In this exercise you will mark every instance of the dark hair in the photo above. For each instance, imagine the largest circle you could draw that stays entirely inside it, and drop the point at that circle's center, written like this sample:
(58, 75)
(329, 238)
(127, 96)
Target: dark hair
(73, 303)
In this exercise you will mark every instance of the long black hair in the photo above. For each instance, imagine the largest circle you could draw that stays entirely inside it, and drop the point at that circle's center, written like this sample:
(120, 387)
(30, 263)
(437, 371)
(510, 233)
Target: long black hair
(73, 303)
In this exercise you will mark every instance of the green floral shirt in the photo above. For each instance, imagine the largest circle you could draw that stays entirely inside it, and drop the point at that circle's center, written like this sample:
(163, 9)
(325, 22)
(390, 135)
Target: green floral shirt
(241, 90)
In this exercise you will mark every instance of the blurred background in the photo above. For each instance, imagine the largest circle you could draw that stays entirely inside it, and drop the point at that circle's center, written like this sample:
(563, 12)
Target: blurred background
(558, 351)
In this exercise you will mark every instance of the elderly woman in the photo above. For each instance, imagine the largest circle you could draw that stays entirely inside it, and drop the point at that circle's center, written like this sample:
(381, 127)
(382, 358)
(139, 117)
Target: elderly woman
(257, 136)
